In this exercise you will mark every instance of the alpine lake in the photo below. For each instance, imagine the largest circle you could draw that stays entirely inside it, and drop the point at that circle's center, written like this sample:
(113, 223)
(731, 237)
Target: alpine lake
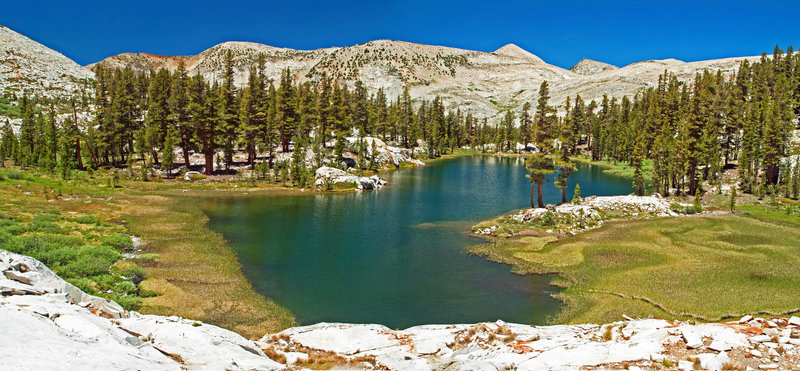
(396, 256)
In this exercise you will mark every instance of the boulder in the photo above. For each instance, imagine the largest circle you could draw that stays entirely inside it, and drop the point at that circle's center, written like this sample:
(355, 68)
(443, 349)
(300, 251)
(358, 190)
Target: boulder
(691, 338)
(327, 174)
(190, 174)
(27, 277)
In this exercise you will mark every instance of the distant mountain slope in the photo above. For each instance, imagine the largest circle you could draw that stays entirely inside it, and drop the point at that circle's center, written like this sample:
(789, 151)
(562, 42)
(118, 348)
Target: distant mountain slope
(484, 83)
(480, 82)
(28, 66)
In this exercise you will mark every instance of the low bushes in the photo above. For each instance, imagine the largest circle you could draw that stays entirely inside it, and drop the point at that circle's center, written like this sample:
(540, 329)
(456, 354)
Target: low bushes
(91, 261)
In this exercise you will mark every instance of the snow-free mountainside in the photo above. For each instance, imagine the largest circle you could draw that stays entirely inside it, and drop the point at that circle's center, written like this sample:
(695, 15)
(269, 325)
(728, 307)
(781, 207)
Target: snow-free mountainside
(28, 66)
(484, 83)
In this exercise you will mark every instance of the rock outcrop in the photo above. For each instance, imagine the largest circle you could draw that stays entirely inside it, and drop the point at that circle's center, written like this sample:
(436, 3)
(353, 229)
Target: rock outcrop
(45, 323)
(591, 212)
(384, 154)
(48, 324)
(589, 67)
(328, 176)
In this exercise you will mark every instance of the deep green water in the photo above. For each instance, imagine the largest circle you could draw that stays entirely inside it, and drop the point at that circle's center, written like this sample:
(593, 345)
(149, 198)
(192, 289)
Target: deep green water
(395, 256)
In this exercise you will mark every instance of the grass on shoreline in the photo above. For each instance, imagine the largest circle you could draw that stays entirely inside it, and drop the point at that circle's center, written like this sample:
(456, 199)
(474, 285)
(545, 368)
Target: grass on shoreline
(707, 267)
(619, 168)
(190, 271)
(197, 275)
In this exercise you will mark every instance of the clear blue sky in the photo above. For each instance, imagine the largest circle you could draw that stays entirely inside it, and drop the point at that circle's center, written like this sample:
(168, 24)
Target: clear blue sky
(560, 32)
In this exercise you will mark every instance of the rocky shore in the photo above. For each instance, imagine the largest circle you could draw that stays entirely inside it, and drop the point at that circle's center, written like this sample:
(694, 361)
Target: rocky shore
(589, 212)
(46, 323)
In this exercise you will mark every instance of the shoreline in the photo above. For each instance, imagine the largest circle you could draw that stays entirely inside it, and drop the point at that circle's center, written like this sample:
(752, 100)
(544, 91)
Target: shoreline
(173, 297)
(198, 274)
(63, 325)
(637, 267)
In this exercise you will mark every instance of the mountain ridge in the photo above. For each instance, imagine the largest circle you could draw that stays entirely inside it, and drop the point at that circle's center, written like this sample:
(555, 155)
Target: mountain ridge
(483, 83)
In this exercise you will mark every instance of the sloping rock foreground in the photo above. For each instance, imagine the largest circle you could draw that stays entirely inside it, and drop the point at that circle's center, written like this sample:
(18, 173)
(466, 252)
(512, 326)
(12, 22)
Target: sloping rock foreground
(45, 323)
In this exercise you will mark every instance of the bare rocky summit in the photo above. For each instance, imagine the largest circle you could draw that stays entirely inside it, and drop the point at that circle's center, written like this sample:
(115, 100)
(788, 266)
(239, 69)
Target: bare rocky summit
(28, 66)
(483, 83)
(590, 67)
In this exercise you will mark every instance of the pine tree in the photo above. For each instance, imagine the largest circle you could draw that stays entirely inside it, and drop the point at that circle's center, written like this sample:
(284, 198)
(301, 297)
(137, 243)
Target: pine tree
(27, 133)
(248, 114)
(525, 124)
(8, 144)
(168, 154)
(538, 166)
(157, 120)
(508, 131)
(566, 168)
(179, 112)
(228, 109)
(638, 175)
(544, 118)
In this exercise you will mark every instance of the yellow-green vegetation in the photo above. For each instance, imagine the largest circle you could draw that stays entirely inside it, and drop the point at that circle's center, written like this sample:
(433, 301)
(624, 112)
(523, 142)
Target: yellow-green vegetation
(196, 275)
(619, 168)
(65, 233)
(707, 267)
(82, 226)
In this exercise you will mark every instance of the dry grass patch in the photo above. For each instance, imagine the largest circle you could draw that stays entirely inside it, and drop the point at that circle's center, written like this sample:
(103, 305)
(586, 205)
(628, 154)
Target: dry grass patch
(705, 267)
(199, 274)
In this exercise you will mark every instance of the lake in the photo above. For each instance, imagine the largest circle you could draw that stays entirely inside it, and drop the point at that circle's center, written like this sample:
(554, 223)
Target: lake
(395, 256)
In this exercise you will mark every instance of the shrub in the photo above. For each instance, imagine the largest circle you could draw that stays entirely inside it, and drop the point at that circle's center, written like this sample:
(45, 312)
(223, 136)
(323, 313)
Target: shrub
(45, 223)
(148, 257)
(45, 218)
(549, 218)
(16, 229)
(125, 287)
(681, 209)
(129, 270)
(87, 219)
(15, 175)
(5, 223)
(129, 302)
(89, 261)
(119, 241)
(8, 241)
(196, 177)
(37, 246)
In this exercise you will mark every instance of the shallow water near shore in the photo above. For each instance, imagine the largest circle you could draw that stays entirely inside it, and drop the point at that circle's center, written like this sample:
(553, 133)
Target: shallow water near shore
(395, 256)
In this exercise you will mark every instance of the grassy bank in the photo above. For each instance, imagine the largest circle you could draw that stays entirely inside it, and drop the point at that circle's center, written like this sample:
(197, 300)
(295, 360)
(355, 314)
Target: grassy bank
(197, 275)
(80, 227)
(618, 168)
(706, 267)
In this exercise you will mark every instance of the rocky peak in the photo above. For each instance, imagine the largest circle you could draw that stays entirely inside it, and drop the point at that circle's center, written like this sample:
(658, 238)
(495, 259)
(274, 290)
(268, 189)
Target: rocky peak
(590, 67)
(511, 50)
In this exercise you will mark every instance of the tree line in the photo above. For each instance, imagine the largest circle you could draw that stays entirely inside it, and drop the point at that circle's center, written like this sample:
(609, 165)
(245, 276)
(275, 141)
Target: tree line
(688, 132)
(144, 117)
